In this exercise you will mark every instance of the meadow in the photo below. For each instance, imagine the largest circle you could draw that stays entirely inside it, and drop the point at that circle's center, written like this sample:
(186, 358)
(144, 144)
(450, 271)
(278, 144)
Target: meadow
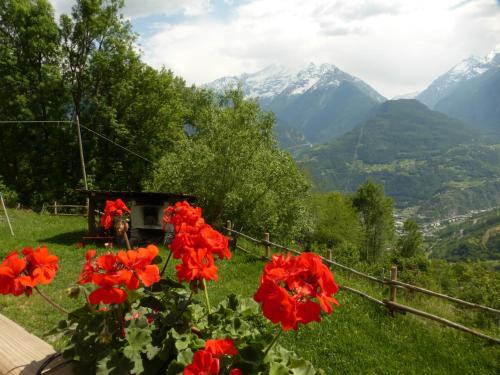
(358, 338)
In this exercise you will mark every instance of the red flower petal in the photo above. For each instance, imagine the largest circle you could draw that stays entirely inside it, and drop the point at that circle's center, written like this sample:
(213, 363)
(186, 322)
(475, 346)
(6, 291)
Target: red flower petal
(107, 295)
(221, 347)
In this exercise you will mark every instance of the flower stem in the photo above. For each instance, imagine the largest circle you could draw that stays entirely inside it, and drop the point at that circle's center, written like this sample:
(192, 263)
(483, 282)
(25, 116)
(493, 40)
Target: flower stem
(207, 301)
(166, 264)
(47, 298)
(125, 237)
(273, 342)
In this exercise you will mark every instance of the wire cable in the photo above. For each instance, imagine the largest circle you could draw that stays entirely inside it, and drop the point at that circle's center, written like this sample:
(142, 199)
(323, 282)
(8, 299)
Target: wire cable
(34, 122)
(116, 144)
(82, 126)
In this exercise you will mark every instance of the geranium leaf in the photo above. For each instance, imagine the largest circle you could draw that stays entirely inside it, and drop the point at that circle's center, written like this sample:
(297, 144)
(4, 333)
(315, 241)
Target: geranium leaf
(175, 368)
(278, 369)
(185, 357)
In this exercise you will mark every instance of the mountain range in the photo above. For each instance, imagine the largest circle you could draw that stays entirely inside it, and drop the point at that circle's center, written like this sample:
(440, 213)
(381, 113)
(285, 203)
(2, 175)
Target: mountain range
(424, 158)
(312, 104)
(437, 152)
(469, 91)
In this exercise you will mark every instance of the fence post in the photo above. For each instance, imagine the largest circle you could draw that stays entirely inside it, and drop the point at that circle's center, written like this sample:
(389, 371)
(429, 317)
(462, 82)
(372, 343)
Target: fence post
(229, 227)
(394, 277)
(55, 208)
(268, 248)
(330, 254)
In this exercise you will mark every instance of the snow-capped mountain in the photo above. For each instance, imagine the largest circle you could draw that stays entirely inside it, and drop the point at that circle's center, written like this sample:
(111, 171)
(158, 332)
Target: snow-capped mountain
(277, 79)
(468, 69)
(315, 103)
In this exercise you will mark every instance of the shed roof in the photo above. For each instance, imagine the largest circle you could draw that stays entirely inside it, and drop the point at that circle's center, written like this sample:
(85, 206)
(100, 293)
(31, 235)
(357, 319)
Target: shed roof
(136, 195)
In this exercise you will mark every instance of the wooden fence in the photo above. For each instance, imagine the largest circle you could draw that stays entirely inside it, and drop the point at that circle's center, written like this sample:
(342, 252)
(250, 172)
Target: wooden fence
(392, 283)
(65, 209)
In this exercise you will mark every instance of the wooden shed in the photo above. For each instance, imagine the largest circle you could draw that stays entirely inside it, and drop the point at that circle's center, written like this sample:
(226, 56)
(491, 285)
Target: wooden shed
(146, 210)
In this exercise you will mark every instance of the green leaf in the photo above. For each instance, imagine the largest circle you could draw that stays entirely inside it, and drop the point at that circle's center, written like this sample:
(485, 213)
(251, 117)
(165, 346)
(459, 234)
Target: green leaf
(301, 367)
(175, 368)
(185, 357)
(252, 354)
(278, 369)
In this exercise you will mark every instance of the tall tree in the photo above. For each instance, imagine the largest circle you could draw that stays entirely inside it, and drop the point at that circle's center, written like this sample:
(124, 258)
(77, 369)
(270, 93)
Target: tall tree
(375, 211)
(31, 89)
(230, 159)
(334, 219)
(117, 96)
(411, 240)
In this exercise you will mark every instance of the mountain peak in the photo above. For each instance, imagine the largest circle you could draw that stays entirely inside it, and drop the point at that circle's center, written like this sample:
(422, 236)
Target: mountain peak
(466, 70)
(277, 79)
(493, 57)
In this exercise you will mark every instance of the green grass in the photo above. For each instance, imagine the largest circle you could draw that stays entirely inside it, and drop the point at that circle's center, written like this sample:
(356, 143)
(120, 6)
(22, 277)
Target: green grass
(359, 338)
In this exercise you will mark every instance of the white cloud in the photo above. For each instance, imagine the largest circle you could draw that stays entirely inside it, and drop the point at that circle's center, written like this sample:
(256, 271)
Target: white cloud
(397, 46)
(144, 8)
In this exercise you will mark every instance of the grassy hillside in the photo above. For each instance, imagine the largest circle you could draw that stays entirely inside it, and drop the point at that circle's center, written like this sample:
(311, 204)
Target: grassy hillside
(358, 338)
(421, 156)
(476, 238)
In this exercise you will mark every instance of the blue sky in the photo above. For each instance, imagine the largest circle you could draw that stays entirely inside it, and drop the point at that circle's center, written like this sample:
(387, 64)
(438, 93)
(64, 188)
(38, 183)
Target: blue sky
(397, 46)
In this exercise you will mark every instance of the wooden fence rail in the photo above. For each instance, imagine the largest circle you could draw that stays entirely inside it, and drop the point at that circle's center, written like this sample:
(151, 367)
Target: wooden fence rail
(393, 284)
(57, 208)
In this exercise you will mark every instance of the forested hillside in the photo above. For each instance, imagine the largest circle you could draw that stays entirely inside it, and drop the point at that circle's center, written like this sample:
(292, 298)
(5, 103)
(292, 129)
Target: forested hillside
(473, 239)
(422, 157)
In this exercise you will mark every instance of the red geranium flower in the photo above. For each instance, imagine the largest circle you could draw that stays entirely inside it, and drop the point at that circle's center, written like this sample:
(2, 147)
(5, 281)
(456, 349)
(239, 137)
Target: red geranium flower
(235, 371)
(214, 241)
(137, 266)
(289, 287)
(13, 279)
(182, 244)
(206, 361)
(221, 347)
(197, 265)
(203, 364)
(18, 275)
(195, 242)
(107, 292)
(88, 268)
(42, 266)
(182, 213)
(110, 272)
(113, 209)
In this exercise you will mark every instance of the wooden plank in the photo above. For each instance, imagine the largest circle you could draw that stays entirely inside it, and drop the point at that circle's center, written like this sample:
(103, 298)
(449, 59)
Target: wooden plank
(436, 294)
(449, 323)
(244, 235)
(328, 261)
(23, 353)
(362, 294)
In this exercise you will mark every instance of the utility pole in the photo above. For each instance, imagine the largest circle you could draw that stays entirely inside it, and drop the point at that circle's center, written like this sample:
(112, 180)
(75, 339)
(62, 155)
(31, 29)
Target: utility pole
(82, 158)
(6, 214)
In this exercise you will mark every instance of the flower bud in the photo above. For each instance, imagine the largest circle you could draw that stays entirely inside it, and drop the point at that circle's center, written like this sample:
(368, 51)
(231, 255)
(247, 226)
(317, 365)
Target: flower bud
(73, 292)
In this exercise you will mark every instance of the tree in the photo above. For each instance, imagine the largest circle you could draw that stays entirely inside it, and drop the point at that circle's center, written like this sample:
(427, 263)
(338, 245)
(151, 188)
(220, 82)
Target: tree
(230, 160)
(335, 221)
(36, 158)
(376, 216)
(118, 96)
(411, 241)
